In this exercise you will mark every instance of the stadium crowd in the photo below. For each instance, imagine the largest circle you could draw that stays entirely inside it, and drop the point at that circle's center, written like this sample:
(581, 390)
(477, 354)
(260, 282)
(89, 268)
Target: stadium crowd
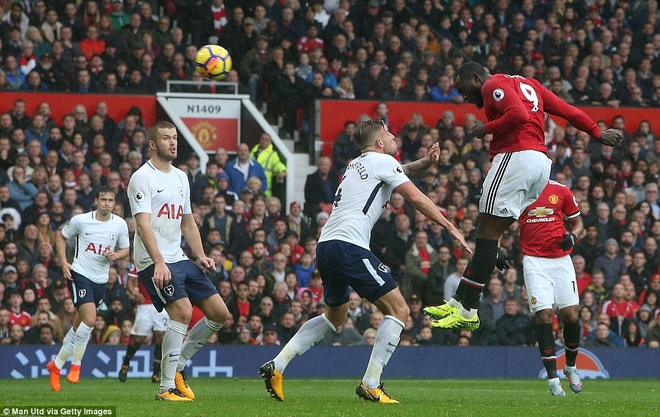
(287, 54)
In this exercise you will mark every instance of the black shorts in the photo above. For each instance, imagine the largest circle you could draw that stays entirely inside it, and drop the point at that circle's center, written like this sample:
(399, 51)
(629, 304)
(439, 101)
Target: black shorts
(83, 290)
(188, 281)
(343, 264)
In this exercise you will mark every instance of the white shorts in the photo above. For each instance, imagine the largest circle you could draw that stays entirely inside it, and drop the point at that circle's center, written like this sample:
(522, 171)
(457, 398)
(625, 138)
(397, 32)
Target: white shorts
(515, 180)
(550, 281)
(148, 319)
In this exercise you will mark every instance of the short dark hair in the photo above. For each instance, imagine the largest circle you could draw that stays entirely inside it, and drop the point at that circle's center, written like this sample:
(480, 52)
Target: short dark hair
(46, 326)
(365, 132)
(467, 70)
(104, 189)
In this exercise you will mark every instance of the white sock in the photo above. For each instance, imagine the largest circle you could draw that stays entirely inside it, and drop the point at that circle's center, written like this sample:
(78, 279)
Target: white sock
(171, 349)
(452, 302)
(82, 338)
(197, 338)
(387, 339)
(468, 314)
(66, 350)
(309, 335)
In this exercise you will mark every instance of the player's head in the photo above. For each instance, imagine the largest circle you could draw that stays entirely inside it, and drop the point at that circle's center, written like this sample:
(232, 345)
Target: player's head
(373, 135)
(104, 200)
(162, 138)
(468, 81)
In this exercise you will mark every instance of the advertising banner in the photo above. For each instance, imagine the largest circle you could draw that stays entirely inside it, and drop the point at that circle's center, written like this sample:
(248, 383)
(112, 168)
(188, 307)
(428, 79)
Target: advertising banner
(344, 362)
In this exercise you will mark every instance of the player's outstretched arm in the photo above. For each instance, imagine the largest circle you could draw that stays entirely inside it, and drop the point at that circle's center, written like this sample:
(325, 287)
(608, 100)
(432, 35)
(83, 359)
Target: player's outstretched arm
(422, 203)
(418, 167)
(556, 106)
(162, 274)
(191, 233)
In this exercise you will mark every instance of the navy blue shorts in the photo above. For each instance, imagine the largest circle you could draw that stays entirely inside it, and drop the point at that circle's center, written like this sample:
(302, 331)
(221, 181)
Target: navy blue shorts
(343, 264)
(188, 281)
(83, 290)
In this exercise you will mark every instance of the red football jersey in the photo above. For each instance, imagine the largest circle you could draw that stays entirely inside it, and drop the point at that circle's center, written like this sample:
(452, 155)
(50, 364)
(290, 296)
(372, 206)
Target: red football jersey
(515, 109)
(133, 274)
(307, 45)
(623, 309)
(542, 222)
(23, 319)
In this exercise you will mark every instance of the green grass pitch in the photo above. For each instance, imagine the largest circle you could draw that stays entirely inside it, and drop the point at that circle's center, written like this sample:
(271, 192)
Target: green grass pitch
(336, 397)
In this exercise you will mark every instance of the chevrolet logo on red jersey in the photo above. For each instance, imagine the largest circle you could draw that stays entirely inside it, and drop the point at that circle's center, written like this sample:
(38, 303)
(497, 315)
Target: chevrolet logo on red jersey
(541, 212)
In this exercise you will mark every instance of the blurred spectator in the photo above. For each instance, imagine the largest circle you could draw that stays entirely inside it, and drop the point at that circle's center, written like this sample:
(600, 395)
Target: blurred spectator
(611, 264)
(438, 275)
(604, 337)
(320, 188)
(343, 336)
(243, 168)
(514, 328)
(491, 309)
(418, 261)
(267, 156)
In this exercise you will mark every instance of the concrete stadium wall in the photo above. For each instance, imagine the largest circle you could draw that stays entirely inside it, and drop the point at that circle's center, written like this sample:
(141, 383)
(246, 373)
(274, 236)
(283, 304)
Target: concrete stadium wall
(407, 362)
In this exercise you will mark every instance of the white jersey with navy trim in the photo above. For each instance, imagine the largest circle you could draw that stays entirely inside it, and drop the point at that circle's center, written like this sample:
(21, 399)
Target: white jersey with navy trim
(166, 196)
(361, 198)
(93, 239)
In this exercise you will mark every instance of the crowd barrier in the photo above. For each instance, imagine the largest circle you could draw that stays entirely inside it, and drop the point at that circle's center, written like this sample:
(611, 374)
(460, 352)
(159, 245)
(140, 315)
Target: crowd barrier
(345, 362)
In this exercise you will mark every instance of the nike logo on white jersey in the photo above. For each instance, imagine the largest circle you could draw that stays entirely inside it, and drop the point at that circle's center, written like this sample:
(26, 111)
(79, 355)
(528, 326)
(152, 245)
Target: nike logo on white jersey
(160, 191)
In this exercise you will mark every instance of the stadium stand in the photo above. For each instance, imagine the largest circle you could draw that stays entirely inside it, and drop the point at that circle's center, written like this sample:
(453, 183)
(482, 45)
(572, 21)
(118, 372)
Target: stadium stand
(288, 54)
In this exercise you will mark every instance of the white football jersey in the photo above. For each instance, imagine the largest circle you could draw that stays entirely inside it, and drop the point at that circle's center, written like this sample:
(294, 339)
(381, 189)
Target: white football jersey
(93, 239)
(363, 194)
(167, 198)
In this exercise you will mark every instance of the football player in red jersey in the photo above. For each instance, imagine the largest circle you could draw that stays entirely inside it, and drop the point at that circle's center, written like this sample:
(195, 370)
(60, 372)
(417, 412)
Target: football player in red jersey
(520, 170)
(550, 276)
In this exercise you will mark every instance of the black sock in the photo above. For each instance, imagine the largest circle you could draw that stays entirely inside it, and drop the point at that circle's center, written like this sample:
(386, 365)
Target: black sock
(130, 352)
(477, 273)
(471, 295)
(158, 353)
(572, 342)
(547, 348)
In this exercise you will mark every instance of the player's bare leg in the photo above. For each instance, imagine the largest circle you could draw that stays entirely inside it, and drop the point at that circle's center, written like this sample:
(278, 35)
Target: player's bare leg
(569, 316)
(396, 312)
(465, 302)
(216, 313)
(306, 337)
(180, 312)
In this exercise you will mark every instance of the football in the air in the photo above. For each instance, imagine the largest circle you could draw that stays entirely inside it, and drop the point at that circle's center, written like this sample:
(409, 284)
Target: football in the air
(213, 62)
